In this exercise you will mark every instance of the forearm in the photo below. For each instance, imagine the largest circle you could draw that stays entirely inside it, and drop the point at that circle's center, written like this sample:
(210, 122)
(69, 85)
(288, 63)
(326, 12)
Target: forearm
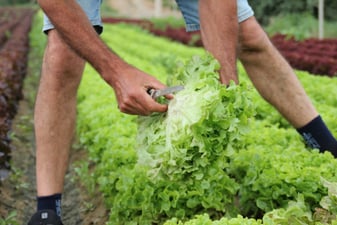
(73, 25)
(219, 30)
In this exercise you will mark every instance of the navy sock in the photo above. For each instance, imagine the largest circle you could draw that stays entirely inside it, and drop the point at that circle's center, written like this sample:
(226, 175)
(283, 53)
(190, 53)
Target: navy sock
(52, 202)
(317, 135)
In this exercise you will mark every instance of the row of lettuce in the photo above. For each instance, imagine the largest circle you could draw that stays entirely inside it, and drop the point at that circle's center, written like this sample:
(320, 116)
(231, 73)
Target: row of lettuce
(316, 56)
(217, 153)
(218, 156)
(15, 25)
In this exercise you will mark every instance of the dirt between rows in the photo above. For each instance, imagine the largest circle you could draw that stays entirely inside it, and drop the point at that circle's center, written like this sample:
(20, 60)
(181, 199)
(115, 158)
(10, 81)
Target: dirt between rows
(18, 192)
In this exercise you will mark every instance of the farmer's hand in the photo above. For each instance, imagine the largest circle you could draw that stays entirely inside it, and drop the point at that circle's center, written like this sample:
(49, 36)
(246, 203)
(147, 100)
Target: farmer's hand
(131, 86)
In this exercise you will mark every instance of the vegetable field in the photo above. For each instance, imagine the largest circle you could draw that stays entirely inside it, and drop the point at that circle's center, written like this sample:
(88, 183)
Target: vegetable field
(220, 153)
(313, 55)
(219, 156)
(316, 56)
(14, 46)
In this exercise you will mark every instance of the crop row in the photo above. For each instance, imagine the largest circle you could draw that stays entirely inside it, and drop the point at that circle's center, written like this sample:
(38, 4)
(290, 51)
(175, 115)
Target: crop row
(253, 175)
(313, 55)
(9, 18)
(178, 34)
(15, 25)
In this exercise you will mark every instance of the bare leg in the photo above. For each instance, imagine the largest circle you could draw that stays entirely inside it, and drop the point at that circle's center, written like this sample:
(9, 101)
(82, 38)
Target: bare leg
(55, 113)
(270, 73)
(272, 76)
(220, 35)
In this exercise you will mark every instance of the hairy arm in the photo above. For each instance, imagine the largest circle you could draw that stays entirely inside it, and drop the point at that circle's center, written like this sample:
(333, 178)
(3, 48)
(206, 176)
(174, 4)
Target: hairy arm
(129, 83)
(219, 31)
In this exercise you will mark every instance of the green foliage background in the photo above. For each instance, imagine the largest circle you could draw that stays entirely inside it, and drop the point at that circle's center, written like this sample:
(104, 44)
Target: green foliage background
(266, 9)
(15, 2)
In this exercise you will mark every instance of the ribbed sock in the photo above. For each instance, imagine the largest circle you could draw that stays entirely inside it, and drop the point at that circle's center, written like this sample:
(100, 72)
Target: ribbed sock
(52, 202)
(317, 135)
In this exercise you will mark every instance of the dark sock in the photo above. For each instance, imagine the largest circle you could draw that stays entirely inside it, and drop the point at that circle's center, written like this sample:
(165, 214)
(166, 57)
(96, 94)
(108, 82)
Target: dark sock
(317, 135)
(52, 202)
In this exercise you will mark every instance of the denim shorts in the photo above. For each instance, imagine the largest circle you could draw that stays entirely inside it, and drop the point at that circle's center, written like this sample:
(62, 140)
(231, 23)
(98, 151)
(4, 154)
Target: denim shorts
(190, 11)
(92, 10)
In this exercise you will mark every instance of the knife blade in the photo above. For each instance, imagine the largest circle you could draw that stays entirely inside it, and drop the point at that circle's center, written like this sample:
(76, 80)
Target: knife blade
(161, 92)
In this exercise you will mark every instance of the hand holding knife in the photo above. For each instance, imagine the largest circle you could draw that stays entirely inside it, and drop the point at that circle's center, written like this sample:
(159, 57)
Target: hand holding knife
(162, 92)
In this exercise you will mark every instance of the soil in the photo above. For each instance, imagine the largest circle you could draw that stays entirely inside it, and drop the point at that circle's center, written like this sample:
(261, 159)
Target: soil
(17, 192)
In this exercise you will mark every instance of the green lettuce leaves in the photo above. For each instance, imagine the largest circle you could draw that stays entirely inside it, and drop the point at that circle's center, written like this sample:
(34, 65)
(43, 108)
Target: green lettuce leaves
(191, 144)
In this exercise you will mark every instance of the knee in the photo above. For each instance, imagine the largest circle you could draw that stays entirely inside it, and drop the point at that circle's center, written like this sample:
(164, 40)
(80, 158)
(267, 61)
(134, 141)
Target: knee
(61, 63)
(60, 56)
(252, 39)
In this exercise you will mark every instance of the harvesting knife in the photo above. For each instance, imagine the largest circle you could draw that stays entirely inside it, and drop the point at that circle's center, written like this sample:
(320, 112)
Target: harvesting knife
(161, 92)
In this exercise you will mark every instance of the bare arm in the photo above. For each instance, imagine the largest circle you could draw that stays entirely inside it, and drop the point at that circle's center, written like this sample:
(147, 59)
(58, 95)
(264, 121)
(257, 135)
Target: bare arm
(219, 31)
(129, 83)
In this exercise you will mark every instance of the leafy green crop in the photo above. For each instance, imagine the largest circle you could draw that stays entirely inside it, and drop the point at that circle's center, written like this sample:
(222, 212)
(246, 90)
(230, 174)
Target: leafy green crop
(191, 144)
(220, 159)
(183, 155)
(205, 220)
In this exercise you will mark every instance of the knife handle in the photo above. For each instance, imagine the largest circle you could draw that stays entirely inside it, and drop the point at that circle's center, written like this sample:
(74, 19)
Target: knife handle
(151, 92)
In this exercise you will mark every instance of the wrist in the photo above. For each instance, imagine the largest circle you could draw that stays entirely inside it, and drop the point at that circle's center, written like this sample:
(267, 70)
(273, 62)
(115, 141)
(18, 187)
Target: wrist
(227, 75)
(112, 68)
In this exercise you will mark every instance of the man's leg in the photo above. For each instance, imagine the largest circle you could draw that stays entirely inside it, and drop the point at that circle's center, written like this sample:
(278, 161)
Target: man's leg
(272, 76)
(277, 83)
(55, 113)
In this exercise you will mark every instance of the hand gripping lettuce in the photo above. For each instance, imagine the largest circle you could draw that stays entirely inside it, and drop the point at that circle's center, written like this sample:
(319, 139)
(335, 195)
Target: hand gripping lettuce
(203, 124)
